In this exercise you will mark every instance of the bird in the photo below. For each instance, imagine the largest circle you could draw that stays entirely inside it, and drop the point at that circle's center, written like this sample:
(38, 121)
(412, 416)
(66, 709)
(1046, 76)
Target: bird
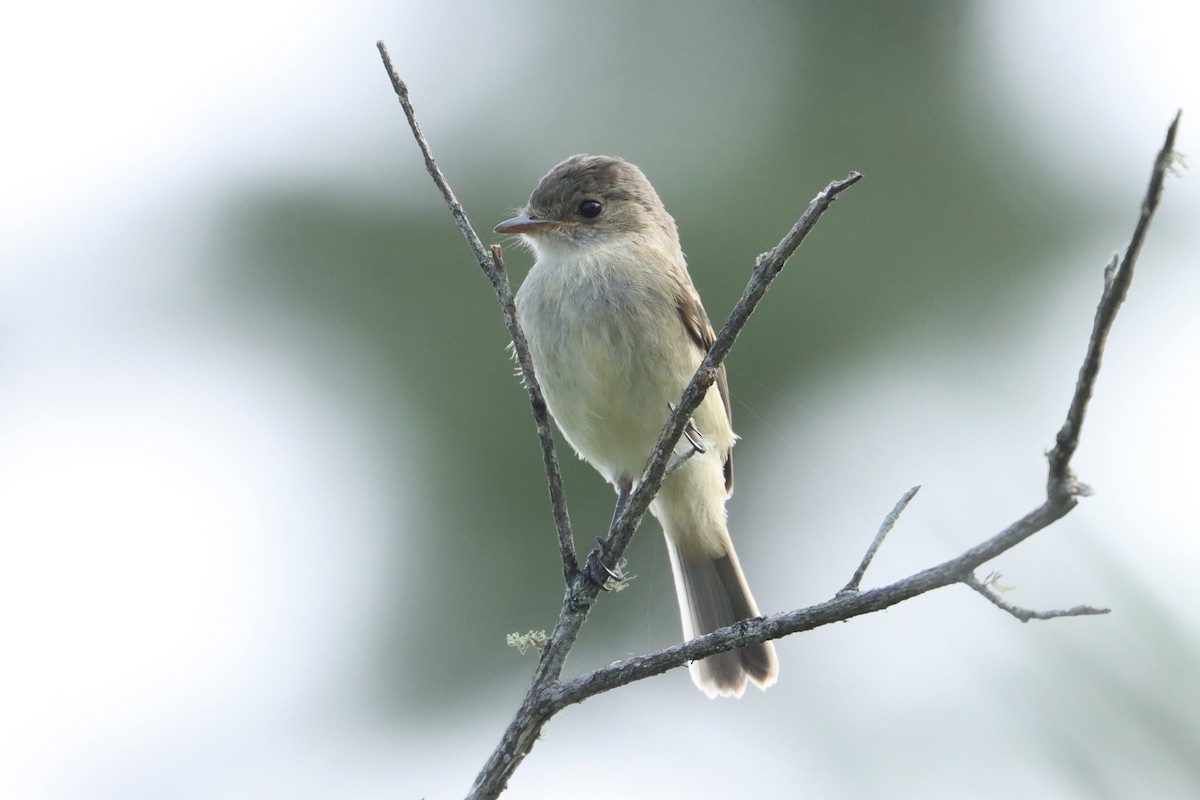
(616, 329)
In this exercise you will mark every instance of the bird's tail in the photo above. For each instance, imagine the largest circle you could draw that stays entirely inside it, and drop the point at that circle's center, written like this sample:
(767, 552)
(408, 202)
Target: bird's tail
(712, 594)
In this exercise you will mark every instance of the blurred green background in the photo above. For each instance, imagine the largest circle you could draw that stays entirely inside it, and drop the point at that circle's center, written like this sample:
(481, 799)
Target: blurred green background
(270, 495)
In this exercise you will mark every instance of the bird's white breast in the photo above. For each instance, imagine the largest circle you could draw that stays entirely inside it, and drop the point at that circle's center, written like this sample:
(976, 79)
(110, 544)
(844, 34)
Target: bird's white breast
(611, 353)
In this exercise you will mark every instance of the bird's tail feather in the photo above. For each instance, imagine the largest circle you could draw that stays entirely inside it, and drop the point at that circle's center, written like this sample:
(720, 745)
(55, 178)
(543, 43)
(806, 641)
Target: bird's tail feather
(712, 594)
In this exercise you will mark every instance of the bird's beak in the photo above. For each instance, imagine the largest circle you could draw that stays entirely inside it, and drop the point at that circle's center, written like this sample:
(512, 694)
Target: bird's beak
(527, 224)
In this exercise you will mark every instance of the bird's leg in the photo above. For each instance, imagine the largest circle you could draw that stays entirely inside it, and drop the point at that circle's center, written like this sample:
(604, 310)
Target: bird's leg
(695, 439)
(624, 489)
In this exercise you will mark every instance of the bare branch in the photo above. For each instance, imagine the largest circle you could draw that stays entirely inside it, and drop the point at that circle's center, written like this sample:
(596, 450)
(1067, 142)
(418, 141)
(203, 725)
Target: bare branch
(884, 529)
(1116, 288)
(1025, 614)
(492, 265)
(541, 418)
(435, 172)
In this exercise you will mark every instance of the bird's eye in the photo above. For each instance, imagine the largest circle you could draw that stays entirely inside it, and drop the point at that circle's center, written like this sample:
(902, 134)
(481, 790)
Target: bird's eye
(590, 209)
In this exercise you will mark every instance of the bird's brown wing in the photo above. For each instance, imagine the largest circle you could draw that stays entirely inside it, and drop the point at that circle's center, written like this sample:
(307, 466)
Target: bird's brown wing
(695, 321)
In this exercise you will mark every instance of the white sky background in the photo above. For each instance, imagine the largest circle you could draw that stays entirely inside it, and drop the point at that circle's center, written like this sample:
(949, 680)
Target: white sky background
(134, 111)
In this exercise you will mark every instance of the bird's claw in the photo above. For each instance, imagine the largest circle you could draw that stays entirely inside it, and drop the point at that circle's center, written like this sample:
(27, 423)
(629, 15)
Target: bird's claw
(694, 436)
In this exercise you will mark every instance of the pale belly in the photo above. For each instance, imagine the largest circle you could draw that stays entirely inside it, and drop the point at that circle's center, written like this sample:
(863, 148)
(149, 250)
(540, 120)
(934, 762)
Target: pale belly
(610, 375)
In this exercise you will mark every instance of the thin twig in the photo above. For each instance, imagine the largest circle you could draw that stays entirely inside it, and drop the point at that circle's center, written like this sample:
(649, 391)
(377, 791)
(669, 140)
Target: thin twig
(1025, 614)
(1116, 288)
(435, 172)
(541, 417)
(492, 265)
(884, 529)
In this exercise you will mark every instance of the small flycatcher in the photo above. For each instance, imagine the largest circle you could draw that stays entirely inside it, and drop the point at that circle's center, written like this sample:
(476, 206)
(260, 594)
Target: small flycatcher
(616, 330)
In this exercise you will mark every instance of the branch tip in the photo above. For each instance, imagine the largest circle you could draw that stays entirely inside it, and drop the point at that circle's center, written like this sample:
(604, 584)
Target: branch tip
(491, 261)
(885, 528)
(1118, 276)
(498, 260)
(985, 588)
